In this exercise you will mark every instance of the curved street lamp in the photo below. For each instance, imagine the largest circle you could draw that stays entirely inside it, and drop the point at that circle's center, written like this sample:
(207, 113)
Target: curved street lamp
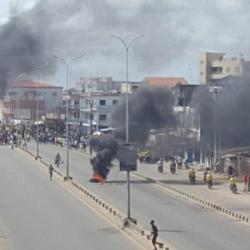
(37, 108)
(127, 47)
(67, 64)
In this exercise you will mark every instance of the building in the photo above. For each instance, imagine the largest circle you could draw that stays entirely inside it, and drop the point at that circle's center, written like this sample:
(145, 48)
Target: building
(169, 82)
(132, 86)
(96, 110)
(215, 67)
(25, 98)
(73, 96)
(97, 85)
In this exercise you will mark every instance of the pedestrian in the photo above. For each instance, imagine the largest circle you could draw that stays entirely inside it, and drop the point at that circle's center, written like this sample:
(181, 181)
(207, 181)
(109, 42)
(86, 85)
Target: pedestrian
(84, 146)
(245, 180)
(154, 234)
(230, 171)
(25, 145)
(51, 169)
(58, 159)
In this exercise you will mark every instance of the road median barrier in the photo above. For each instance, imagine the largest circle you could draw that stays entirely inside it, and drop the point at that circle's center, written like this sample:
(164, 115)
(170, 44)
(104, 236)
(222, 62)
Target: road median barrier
(197, 199)
(136, 231)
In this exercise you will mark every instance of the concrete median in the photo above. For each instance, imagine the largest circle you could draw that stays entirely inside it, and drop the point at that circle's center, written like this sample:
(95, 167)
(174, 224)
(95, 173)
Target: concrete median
(133, 229)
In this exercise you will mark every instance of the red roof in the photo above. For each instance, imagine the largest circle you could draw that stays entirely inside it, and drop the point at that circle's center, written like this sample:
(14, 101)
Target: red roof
(31, 84)
(165, 81)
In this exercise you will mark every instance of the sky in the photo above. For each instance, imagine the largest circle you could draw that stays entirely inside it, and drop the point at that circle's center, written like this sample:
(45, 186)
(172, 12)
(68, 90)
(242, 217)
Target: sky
(175, 33)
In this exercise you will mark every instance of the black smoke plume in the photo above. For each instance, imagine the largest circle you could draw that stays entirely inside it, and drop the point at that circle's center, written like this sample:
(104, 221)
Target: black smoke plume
(106, 148)
(149, 108)
(23, 46)
(227, 113)
(203, 101)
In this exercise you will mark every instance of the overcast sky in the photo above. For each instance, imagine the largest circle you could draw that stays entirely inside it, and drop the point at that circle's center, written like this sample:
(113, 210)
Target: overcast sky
(175, 32)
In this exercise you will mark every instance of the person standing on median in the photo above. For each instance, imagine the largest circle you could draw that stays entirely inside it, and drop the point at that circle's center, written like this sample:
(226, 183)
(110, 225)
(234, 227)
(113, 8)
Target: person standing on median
(154, 234)
(51, 170)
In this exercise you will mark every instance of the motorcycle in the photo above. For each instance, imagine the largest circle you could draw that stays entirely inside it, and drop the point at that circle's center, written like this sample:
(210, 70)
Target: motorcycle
(173, 168)
(209, 180)
(192, 178)
(233, 188)
(209, 184)
(160, 166)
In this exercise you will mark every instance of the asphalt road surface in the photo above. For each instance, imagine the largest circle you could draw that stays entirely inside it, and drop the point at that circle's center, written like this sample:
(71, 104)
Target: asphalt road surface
(183, 224)
(42, 215)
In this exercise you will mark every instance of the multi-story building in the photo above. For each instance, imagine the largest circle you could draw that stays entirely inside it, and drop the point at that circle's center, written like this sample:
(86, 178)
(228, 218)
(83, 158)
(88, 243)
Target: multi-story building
(97, 85)
(25, 98)
(215, 67)
(73, 96)
(130, 88)
(96, 110)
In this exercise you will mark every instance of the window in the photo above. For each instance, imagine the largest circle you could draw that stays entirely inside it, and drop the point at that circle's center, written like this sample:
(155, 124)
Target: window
(134, 88)
(202, 61)
(227, 69)
(201, 73)
(103, 117)
(54, 93)
(115, 102)
(102, 102)
(216, 70)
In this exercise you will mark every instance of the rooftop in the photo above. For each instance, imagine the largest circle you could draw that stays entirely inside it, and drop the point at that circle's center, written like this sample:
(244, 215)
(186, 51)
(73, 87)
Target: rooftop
(31, 84)
(165, 81)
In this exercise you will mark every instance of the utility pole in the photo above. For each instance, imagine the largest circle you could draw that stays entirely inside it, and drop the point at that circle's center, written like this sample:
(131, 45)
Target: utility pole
(91, 117)
(39, 67)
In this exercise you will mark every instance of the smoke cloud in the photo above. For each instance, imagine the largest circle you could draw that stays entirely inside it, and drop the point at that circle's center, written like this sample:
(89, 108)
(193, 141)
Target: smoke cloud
(22, 48)
(149, 108)
(170, 34)
(106, 147)
(227, 113)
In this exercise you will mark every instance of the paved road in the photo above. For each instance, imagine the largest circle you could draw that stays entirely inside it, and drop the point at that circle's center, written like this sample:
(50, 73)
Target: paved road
(183, 224)
(40, 214)
(219, 194)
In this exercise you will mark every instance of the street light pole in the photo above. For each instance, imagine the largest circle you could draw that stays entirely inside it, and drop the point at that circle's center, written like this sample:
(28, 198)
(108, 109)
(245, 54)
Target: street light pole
(216, 90)
(67, 64)
(37, 109)
(127, 46)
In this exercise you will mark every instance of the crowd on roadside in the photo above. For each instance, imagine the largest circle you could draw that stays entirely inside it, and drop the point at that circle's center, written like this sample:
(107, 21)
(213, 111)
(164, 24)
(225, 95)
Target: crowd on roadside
(77, 140)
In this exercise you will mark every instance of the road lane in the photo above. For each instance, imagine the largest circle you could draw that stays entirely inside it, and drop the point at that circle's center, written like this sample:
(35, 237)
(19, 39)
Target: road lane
(182, 223)
(40, 214)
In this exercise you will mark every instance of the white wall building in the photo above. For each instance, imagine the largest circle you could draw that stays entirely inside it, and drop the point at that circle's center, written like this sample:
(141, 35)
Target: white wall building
(96, 109)
(97, 85)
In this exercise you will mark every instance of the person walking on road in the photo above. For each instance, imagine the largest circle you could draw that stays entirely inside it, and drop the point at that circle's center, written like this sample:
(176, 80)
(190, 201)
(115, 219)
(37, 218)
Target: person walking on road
(154, 234)
(57, 159)
(51, 169)
(245, 180)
